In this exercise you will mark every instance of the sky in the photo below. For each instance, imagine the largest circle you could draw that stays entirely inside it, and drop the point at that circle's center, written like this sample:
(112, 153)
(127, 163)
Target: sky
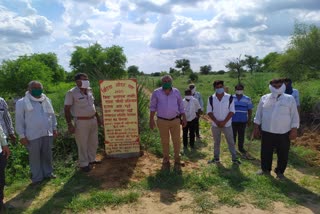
(153, 33)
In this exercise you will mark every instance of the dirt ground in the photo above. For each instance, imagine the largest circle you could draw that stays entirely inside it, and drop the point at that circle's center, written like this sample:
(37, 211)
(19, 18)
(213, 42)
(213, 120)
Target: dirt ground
(114, 173)
(310, 139)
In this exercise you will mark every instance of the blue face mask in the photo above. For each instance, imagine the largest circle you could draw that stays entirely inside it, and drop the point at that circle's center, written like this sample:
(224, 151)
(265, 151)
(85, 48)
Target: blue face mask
(219, 90)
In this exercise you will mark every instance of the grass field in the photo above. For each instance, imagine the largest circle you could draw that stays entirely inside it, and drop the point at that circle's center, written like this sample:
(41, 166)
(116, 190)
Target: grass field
(138, 185)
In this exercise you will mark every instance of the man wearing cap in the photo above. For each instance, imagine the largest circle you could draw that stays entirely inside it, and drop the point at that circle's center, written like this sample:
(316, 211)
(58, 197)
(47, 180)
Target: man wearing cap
(198, 96)
(166, 101)
(79, 105)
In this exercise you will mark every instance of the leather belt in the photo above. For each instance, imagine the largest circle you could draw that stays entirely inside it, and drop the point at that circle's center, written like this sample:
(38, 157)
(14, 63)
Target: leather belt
(85, 118)
(169, 119)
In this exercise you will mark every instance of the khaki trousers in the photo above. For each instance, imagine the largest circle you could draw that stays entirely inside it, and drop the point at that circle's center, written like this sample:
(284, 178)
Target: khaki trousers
(166, 129)
(86, 135)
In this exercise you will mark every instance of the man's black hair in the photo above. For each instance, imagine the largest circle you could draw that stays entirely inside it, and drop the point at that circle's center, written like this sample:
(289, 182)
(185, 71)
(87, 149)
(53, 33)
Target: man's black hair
(218, 82)
(187, 91)
(275, 81)
(79, 75)
(239, 86)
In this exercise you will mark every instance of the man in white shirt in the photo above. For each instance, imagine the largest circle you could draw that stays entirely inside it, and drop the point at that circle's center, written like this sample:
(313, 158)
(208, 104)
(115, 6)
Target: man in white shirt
(276, 121)
(220, 108)
(198, 96)
(192, 110)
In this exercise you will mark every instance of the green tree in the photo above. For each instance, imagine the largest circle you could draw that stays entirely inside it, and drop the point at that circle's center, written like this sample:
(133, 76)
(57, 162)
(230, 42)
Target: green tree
(301, 59)
(252, 63)
(99, 62)
(51, 60)
(205, 70)
(269, 62)
(133, 71)
(236, 66)
(184, 65)
(16, 74)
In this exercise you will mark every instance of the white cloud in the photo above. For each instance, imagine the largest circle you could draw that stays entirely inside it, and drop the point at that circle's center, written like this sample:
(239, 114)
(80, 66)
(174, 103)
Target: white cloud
(154, 33)
(16, 28)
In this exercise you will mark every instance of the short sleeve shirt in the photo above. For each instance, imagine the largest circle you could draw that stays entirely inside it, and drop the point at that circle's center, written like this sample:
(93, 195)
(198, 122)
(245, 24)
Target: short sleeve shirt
(242, 106)
(82, 105)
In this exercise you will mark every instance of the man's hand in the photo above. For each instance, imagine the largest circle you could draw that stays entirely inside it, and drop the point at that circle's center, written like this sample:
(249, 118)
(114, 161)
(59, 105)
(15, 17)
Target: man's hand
(256, 132)
(6, 151)
(184, 122)
(71, 128)
(152, 124)
(293, 134)
(13, 138)
(55, 133)
(24, 141)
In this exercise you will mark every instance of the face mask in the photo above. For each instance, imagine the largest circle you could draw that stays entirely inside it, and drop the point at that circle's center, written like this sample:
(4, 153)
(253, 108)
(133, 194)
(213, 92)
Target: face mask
(36, 92)
(188, 97)
(193, 90)
(219, 90)
(239, 92)
(167, 85)
(85, 83)
(278, 91)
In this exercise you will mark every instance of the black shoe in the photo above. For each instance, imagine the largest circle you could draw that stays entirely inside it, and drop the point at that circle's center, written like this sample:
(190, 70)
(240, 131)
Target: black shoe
(165, 166)
(51, 176)
(261, 172)
(35, 183)
(216, 161)
(236, 161)
(86, 168)
(177, 168)
(280, 176)
(95, 162)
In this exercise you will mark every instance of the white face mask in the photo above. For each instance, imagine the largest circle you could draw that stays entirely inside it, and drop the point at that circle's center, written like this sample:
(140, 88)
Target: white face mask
(278, 91)
(193, 90)
(239, 92)
(188, 97)
(85, 83)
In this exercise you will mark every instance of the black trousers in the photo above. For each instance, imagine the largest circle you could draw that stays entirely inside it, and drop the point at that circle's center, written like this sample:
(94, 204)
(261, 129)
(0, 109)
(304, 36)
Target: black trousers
(197, 127)
(269, 142)
(239, 130)
(190, 128)
(3, 163)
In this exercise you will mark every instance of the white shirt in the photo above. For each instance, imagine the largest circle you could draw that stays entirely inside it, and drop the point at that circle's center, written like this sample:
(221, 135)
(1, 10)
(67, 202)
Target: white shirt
(277, 115)
(191, 108)
(221, 108)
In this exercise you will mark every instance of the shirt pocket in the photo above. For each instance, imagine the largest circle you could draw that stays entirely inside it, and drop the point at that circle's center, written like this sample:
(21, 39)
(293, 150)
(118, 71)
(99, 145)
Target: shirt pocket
(284, 109)
(81, 101)
(1, 112)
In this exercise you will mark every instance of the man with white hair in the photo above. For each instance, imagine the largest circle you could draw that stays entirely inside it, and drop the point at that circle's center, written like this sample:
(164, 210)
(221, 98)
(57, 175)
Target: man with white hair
(36, 126)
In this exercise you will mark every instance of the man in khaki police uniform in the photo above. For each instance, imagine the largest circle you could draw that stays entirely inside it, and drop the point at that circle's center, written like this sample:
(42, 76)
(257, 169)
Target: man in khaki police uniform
(79, 104)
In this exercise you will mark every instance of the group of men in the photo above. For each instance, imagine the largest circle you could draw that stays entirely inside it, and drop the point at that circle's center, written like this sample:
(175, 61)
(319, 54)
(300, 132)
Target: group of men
(276, 121)
(36, 125)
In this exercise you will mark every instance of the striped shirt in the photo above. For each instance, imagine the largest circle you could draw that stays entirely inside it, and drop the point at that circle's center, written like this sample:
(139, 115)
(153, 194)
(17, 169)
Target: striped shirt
(5, 118)
(242, 107)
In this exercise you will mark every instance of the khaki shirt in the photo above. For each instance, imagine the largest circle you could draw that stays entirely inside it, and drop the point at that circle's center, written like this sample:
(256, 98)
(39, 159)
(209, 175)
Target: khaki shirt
(82, 105)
